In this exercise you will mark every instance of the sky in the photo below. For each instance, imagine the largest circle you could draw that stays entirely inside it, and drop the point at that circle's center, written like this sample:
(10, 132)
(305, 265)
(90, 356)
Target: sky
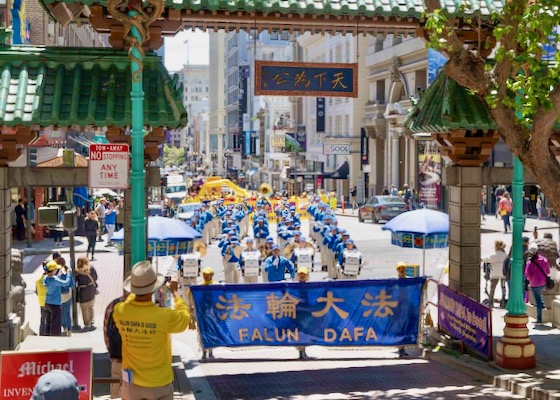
(186, 47)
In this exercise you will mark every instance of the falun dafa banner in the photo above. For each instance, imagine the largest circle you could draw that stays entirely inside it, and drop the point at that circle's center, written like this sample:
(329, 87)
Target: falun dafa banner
(341, 313)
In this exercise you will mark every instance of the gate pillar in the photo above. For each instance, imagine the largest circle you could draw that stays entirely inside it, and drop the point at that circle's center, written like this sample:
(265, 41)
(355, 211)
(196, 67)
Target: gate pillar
(464, 189)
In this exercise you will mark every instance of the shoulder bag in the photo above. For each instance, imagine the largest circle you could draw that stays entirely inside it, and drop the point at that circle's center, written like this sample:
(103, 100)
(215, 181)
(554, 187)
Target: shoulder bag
(549, 281)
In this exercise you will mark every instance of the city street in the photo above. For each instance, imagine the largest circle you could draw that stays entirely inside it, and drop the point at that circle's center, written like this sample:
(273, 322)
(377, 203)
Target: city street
(275, 372)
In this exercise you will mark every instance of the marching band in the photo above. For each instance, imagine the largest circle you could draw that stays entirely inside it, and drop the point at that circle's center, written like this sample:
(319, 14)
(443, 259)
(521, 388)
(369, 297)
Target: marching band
(249, 250)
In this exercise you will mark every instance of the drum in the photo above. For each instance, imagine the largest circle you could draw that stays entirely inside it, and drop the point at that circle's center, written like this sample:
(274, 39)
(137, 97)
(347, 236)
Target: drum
(304, 257)
(190, 265)
(251, 260)
(352, 262)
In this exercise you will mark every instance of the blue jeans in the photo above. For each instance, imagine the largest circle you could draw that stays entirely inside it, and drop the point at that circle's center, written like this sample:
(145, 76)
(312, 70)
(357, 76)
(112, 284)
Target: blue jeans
(539, 302)
(67, 315)
(507, 224)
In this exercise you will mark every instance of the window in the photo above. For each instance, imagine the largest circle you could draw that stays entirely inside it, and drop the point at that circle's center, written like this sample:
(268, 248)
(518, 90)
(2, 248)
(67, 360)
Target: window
(380, 96)
(285, 36)
(420, 80)
(274, 36)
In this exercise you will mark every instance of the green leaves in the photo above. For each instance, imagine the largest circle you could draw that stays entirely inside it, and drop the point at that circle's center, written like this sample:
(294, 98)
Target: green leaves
(527, 39)
(173, 156)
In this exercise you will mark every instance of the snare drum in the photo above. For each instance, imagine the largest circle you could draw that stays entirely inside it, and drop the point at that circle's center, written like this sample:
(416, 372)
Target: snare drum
(251, 263)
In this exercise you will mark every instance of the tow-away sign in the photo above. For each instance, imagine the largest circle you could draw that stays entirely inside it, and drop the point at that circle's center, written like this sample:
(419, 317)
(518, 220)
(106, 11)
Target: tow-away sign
(108, 166)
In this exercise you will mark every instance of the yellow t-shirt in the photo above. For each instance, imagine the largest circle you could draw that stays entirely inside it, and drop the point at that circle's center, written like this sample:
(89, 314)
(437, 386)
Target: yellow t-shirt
(41, 290)
(146, 343)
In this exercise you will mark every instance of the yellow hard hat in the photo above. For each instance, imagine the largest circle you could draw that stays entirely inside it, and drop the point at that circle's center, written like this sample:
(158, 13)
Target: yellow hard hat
(303, 270)
(401, 264)
(207, 271)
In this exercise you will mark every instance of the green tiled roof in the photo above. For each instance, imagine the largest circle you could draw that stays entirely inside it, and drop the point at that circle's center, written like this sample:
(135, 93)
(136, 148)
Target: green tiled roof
(79, 86)
(446, 105)
(366, 8)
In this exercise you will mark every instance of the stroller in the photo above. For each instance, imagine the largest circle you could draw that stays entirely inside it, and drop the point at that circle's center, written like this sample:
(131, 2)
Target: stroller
(486, 269)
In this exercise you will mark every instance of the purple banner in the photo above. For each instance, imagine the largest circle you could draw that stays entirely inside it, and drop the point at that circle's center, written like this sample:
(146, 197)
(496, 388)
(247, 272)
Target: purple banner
(466, 320)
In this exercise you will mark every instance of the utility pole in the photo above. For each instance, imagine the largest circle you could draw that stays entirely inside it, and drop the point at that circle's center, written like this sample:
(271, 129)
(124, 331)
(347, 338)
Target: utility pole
(261, 115)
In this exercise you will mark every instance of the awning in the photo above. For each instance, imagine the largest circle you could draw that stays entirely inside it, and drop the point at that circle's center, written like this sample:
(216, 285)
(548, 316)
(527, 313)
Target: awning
(341, 172)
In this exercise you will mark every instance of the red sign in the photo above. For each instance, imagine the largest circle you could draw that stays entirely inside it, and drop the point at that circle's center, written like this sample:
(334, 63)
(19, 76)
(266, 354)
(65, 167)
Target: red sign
(20, 371)
(108, 166)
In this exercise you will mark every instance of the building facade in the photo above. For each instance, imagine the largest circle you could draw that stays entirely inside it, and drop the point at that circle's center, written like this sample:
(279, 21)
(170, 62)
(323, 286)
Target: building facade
(333, 124)
(59, 31)
(397, 70)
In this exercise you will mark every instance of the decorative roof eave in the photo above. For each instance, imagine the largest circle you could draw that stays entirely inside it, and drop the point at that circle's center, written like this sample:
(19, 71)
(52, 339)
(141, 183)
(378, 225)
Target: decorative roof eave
(63, 86)
(332, 8)
(315, 16)
(447, 106)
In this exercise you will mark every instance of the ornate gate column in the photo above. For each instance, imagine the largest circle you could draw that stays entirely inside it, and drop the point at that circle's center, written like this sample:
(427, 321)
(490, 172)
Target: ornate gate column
(464, 188)
(10, 323)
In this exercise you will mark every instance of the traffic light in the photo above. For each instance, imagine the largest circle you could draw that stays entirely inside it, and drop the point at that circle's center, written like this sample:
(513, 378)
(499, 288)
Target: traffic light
(32, 153)
(48, 215)
(163, 181)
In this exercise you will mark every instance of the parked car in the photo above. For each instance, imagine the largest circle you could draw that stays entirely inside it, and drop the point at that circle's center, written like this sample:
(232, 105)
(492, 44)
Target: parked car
(379, 208)
(186, 211)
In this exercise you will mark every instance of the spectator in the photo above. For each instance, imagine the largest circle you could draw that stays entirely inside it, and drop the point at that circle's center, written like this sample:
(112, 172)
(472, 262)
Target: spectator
(539, 207)
(56, 385)
(146, 362)
(113, 342)
(54, 281)
(100, 211)
(496, 260)
(483, 204)
(86, 279)
(526, 208)
(41, 291)
(91, 225)
(20, 219)
(111, 221)
(401, 274)
(536, 272)
(65, 296)
(354, 196)
(505, 206)
(303, 277)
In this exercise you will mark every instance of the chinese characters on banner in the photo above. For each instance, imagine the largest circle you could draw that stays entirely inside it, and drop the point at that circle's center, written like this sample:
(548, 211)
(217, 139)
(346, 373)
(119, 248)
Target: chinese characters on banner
(344, 313)
(275, 78)
(21, 370)
(465, 319)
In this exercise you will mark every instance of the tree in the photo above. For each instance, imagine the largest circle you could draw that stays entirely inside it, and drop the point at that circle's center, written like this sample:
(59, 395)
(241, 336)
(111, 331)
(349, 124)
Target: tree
(519, 82)
(173, 155)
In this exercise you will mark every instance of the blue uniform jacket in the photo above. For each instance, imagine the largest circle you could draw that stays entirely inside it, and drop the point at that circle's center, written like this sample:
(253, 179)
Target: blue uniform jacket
(277, 272)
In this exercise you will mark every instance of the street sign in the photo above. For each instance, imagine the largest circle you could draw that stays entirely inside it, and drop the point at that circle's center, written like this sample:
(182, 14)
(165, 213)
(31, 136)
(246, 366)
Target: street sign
(339, 149)
(108, 166)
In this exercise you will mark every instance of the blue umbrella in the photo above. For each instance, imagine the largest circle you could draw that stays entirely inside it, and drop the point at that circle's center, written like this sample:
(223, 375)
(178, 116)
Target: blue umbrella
(166, 237)
(420, 229)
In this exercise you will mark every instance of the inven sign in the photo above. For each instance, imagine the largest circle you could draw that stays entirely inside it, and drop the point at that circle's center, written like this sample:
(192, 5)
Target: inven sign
(338, 149)
(21, 370)
(108, 166)
(274, 78)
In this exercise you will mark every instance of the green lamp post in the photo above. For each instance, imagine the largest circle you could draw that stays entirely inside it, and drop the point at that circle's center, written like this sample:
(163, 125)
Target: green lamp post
(515, 349)
(137, 173)
(136, 24)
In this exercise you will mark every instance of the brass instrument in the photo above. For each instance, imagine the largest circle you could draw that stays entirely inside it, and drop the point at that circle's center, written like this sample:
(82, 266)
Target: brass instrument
(265, 190)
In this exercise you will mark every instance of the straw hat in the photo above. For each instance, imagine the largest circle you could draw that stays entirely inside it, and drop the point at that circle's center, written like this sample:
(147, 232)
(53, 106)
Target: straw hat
(143, 279)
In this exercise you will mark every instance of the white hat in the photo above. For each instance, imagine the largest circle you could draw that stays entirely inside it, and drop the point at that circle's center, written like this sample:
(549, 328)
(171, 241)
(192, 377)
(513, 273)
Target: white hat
(143, 279)
(533, 248)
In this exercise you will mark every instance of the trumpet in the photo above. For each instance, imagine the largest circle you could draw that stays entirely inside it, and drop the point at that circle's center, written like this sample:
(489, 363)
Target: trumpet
(265, 190)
